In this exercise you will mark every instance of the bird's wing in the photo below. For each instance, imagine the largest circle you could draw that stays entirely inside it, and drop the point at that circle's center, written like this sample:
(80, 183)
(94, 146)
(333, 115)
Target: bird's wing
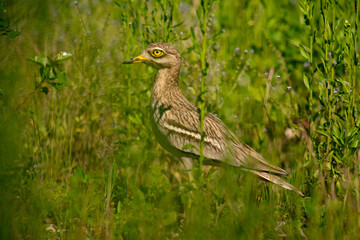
(275, 179)
(183, 129)
(220, 143)
(241, 154)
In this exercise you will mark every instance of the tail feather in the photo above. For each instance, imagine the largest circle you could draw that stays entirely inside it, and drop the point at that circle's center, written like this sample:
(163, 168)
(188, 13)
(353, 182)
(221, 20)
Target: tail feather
(247, 157)
(276, 180)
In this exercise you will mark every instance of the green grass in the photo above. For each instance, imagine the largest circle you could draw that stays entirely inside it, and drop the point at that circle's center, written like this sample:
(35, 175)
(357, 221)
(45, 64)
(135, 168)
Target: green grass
(82, 162)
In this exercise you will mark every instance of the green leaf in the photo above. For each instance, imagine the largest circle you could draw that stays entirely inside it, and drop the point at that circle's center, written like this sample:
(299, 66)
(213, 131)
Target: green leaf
(192, 90)
(189, 146)
(345, 83)
(322, 90)
(40, 59)
(61, 76)
(52, 63)
(118, 4)
(195, 42)
(215, 37)
(52, 74)
(324, 133)
(63, 56)
(200, 96)
(12, 34)
(136, 119)
(119, 206)
(45, 72)
(302, 8)
(306, 81)
(198, 14)
(352, 132)
(304, 51)
(57, 86)
(355, 144)
(337, 132)
(177, 25)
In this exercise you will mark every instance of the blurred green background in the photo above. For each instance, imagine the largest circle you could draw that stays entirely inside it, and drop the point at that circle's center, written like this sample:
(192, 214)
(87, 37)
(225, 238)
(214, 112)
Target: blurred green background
(78, 157)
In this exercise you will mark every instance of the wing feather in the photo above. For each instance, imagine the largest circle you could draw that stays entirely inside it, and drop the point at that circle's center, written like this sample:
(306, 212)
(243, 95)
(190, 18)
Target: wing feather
(221, 144)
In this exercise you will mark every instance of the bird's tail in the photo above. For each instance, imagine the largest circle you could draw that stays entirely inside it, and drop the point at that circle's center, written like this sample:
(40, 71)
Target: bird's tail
(275, 179)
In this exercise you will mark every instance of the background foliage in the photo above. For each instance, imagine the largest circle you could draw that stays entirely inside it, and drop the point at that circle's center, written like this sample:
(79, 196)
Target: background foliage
(78, 158)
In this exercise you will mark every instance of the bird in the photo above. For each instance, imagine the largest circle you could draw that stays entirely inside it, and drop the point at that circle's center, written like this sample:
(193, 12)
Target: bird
(176, 122)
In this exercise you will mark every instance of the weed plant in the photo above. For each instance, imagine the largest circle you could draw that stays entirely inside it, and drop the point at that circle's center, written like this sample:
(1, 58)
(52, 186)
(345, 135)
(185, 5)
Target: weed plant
(79, 159)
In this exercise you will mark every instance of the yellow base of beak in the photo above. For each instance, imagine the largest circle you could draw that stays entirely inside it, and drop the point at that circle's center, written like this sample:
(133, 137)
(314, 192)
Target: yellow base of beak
(138, 59)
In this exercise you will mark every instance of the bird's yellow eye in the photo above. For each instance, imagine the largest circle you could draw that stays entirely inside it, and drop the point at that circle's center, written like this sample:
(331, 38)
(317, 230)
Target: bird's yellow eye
(157, 53)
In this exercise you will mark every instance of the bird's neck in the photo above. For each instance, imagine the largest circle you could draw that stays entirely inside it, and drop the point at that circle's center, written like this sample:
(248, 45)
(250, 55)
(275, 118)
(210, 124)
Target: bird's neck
(167, 80)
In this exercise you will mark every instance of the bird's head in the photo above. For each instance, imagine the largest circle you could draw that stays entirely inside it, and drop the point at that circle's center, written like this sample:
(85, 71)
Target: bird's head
(158, 55)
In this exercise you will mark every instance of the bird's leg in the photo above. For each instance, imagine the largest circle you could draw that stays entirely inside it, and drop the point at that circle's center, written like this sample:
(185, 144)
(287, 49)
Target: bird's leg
(188, 165)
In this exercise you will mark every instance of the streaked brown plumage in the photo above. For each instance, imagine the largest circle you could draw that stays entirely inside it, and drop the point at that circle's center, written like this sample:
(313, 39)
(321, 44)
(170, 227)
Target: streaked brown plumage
(176, 123)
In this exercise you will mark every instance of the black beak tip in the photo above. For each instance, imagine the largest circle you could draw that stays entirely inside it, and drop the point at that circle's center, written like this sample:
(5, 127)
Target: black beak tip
(129, 61)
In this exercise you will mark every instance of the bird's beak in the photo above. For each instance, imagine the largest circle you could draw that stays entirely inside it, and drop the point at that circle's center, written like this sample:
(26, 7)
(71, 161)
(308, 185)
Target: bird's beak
(137, 59)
